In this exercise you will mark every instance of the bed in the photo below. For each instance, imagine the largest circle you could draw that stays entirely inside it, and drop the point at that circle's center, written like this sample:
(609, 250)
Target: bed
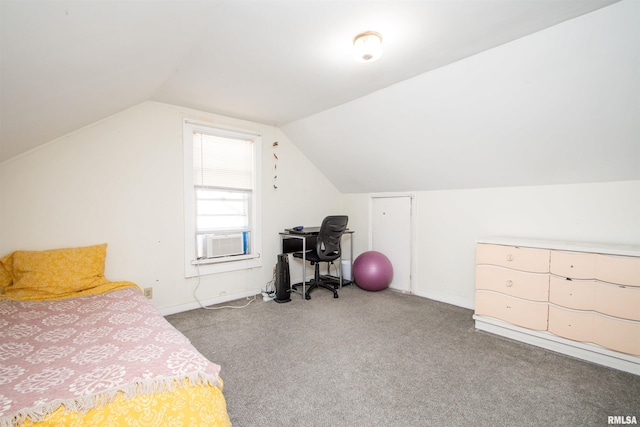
(77, 349)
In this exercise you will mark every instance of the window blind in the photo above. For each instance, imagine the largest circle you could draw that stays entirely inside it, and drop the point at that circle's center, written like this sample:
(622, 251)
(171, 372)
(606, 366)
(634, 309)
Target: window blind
(222, 162)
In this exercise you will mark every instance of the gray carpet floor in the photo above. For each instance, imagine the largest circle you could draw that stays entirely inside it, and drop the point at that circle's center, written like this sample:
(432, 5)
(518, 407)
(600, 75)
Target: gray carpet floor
(389, 359)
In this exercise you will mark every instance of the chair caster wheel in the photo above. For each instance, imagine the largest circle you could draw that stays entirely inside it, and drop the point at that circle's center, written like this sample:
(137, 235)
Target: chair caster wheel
(335, 295)
(307, 297)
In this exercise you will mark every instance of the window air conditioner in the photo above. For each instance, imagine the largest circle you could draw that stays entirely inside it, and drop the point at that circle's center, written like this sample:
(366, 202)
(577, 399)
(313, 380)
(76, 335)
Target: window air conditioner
(219, 245)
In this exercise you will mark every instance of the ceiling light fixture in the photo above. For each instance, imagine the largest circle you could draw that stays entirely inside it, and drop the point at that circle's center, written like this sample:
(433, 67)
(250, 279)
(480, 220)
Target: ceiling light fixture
(367, 46)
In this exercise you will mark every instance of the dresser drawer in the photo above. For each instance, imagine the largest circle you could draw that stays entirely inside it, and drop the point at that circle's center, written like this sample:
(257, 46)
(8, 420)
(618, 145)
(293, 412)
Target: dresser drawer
(574, 265)
(574, 325)
(524, 259)
(618, 335)
(623, 270)
(618, 301)
(614, 334)
(576, 294)
(531, 286)
(528, 314)
(613, 300)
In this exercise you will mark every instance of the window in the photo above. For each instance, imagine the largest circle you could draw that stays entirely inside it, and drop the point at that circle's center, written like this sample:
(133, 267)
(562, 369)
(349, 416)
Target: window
(222, 230)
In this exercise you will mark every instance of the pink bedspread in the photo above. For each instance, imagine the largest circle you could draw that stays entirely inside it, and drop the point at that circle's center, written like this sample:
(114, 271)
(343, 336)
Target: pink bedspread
(81, 352)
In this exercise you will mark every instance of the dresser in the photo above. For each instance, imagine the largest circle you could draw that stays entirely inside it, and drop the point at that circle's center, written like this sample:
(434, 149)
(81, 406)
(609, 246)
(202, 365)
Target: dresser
(579, 299)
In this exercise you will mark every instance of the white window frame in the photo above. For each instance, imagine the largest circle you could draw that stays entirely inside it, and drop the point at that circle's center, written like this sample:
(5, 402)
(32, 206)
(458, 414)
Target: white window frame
(193, 266)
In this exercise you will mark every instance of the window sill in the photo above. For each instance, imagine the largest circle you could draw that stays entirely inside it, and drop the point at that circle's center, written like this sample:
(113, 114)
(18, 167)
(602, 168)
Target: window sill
(223, 264)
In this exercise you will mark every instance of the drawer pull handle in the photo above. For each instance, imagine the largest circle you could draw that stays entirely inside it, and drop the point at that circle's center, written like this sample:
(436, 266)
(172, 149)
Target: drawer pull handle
(509, 283)
(509, 257)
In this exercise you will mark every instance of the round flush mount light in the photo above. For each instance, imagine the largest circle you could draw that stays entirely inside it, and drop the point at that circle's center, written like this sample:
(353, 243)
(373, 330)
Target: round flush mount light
(367, 46)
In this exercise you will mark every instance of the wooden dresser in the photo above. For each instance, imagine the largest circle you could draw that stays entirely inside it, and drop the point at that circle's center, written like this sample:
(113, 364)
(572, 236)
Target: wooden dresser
(573, 298)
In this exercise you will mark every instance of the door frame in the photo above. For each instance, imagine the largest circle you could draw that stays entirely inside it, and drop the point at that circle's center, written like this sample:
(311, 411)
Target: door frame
(412, 230)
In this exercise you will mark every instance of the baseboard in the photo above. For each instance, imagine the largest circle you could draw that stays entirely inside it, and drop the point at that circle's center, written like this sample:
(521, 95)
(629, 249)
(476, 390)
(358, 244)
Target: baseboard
(166, 311)
(460, 302)
(590, 352)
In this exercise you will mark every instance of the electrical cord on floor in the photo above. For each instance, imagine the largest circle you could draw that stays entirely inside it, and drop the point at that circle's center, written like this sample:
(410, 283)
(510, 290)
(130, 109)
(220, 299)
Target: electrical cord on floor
(269, 291)
(207, 307)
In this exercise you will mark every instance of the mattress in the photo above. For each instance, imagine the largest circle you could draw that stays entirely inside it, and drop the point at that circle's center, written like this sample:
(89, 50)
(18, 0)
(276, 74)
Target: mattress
(103, 359)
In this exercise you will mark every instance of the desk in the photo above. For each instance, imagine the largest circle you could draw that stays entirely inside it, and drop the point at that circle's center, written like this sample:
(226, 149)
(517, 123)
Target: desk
(299, 241)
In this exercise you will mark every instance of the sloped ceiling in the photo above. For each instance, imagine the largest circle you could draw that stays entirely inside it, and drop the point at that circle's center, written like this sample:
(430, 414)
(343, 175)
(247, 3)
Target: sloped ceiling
(561, 106)
(65, 65)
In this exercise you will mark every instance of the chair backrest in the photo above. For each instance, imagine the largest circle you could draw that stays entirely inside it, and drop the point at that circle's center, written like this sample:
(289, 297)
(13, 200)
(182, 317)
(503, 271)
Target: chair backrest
(329, 236)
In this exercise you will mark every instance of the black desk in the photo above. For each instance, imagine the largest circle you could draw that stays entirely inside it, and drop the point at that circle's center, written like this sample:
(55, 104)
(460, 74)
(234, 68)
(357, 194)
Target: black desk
(302, 241)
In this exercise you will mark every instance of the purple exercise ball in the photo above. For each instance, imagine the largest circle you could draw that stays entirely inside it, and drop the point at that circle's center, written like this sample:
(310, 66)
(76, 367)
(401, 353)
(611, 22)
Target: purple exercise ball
(372, 271)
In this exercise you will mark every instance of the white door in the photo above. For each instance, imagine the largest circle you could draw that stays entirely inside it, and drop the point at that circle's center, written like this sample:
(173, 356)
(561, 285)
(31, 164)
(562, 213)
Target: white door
(391, 235)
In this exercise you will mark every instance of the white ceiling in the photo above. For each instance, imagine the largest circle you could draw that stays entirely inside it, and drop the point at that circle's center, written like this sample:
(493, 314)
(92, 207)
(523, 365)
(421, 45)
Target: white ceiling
(66, 64)
(560, 106)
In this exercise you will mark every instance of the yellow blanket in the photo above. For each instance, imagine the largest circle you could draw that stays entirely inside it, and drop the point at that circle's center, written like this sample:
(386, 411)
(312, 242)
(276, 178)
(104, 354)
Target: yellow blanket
(193, 406)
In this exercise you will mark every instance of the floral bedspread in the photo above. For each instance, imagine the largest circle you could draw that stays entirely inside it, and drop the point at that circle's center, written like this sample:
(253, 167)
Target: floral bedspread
(82, 352)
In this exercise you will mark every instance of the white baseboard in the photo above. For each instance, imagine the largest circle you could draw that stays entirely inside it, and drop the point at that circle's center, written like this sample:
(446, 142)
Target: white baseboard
(460, 302)
(590, 352)
(166, 311)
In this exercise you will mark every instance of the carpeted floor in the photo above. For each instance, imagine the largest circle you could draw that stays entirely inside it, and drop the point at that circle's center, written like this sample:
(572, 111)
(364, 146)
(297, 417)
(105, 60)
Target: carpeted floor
(389, 359)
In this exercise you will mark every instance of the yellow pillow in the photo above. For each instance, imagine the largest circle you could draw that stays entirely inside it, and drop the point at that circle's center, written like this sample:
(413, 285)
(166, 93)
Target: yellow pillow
(48, 274)
(5, 275)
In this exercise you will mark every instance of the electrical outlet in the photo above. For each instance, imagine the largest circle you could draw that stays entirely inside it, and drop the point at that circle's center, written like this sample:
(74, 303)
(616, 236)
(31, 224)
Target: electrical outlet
(148, 292)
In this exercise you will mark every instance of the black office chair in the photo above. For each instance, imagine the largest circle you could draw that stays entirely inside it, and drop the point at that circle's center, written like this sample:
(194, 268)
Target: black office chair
(327, 250)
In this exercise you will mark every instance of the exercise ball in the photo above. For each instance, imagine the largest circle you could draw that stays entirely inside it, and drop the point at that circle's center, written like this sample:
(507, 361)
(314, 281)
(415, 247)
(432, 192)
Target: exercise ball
(372, 271)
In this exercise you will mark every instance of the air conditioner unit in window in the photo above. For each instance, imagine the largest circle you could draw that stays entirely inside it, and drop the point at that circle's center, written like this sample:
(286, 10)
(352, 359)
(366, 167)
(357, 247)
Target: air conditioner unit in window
(219, 245)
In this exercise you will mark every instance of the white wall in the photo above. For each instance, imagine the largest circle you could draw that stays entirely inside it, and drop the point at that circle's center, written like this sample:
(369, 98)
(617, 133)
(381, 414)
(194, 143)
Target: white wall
(448, 222)
(120, 181)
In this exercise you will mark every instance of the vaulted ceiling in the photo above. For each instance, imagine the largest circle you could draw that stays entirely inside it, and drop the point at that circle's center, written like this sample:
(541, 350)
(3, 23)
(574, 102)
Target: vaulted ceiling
(66, 64)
